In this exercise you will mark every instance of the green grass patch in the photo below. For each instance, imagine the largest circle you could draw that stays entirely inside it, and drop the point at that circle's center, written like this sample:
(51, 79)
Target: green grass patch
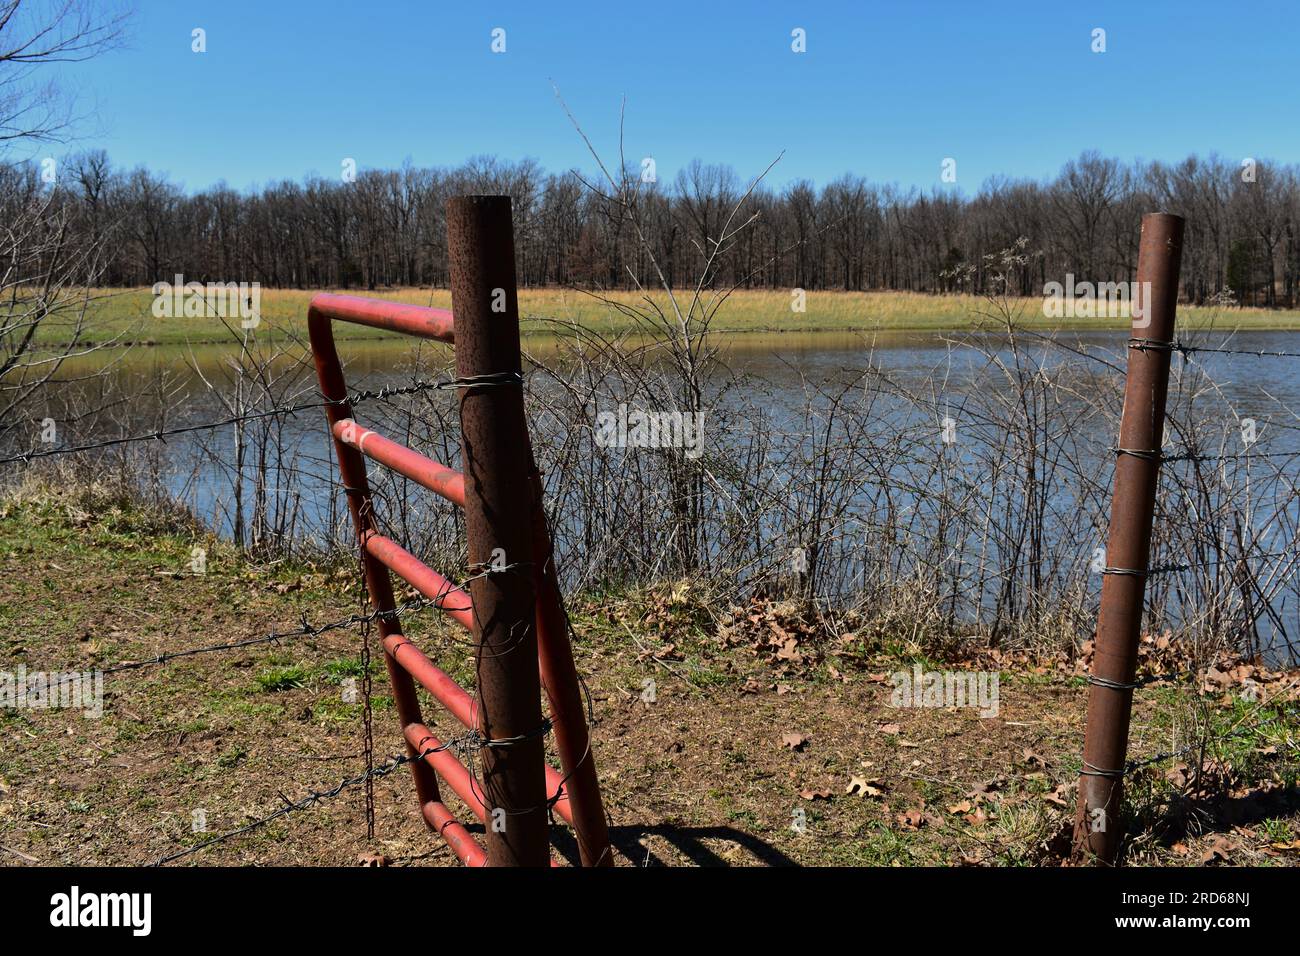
(281, 679)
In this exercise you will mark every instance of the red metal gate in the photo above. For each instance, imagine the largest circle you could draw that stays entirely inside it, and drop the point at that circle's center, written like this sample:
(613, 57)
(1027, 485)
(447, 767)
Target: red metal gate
(517, 619)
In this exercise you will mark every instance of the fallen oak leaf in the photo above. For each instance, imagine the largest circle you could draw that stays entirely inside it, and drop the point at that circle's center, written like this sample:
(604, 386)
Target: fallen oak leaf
(795, 742)
(1034, 760)
(862, 787)
(1220, 850)
(912, 819)
(1057, 796)
(983, 789)
(789, 651)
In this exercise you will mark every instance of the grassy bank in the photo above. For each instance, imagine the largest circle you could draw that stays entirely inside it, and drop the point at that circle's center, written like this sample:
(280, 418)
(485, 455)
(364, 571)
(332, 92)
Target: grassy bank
(716, 742)
(125, 316)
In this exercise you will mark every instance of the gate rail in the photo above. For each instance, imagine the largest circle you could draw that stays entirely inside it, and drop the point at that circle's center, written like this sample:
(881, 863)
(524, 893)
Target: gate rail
(513, 617)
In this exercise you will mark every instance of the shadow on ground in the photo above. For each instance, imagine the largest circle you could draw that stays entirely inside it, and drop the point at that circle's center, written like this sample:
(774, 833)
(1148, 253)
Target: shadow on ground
(697, 846)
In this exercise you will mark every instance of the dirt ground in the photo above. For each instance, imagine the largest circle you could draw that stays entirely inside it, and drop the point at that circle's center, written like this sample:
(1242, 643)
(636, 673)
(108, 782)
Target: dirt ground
(745, 745)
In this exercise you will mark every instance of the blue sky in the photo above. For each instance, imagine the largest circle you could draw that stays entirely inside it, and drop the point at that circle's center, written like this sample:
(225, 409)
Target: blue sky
(885, 89)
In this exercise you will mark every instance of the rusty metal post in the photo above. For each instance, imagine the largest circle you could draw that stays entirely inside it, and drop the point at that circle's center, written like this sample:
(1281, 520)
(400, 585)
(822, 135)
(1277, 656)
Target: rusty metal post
(498, 524)
(1128, 549)
(559, 678)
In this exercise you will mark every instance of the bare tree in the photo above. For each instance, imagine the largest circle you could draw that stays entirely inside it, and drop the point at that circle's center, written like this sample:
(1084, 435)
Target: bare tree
(34, 34)
(48, 263)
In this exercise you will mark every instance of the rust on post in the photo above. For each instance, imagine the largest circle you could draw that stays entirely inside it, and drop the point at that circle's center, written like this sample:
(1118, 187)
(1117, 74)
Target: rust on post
(498, 524)
(1097, 831)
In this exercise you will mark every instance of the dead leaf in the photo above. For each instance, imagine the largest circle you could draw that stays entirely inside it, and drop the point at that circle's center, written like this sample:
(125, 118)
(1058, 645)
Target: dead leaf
(1057, 796)
(373, 859)
(892, 730)
(911, 819)
(862, 787)
(789, 651)
(1216, 679)
(1177, 775)
(982, 789)
(1219, 851)
(795, 742)
(815, 794)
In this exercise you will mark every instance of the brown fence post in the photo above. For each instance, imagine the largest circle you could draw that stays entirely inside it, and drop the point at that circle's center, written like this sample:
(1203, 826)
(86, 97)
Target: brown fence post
(1128, 550)
(498, 523)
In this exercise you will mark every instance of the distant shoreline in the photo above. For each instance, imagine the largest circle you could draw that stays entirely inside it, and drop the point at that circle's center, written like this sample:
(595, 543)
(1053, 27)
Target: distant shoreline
(122, 317)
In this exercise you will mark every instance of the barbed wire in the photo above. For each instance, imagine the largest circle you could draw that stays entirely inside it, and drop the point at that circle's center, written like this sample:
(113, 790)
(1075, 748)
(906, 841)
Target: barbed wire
(1228, 456)
(1133, 765)
(307, 629)
(1257, 353)
(1184, 349)
(313, 797)
(462, 744)
(1176, 568)
(355, 398)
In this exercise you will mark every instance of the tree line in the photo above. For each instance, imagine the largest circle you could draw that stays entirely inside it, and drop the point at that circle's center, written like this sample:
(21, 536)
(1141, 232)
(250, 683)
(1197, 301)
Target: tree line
(385, 228)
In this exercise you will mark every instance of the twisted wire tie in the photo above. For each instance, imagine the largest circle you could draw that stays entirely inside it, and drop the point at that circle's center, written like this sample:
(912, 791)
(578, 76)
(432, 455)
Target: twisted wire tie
(1154, 345)
(1146, 454)
(1126, 572)
(1090, 771)
(1112, 684)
